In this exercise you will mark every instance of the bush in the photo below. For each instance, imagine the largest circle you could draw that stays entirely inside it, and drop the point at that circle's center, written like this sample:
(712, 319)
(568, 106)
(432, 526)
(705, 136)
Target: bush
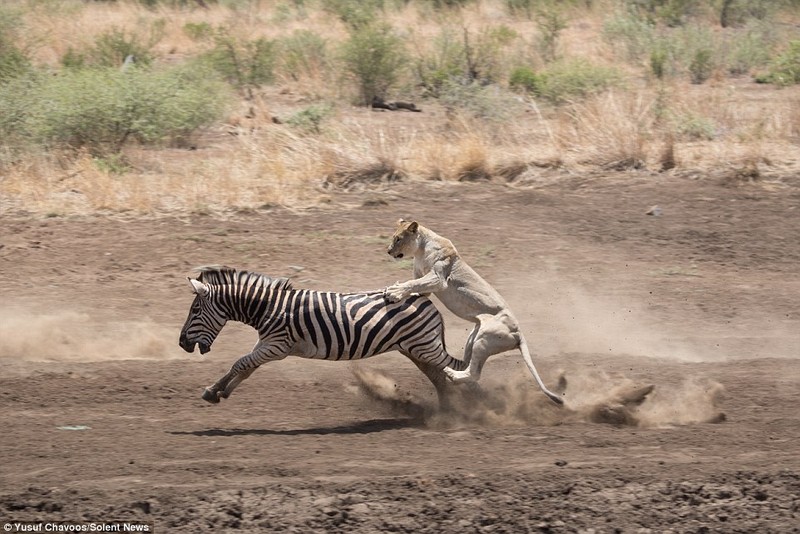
(463, 58)
(575, 78)
(550, 22)
(101, 109)
(659, 62)
(702, 66)
(484, 102)
(245, 64)
(629, 35)
(445, 62)
(302, 54)
(525, 79)
(355, 14)
(112, 48)
(310, 119)
(198, 31)
(671, 13)
(376, 58)
(14, 60)
(749, 48)
(696, 128)
(785, 69)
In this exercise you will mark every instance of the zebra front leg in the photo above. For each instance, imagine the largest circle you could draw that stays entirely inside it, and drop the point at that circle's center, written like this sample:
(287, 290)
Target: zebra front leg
(242, 369)
(223, 387)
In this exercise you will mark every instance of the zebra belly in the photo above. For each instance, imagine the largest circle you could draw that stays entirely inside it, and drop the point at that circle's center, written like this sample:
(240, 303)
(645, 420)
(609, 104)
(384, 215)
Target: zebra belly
(306, 349)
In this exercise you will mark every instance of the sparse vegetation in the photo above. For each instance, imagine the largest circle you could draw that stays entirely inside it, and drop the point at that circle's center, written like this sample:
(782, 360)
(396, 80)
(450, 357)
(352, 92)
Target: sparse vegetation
(375, 57)
(615, 84)
(101, 109)
(114, 47)
(14, 59)
(785, 69)
(245, 63)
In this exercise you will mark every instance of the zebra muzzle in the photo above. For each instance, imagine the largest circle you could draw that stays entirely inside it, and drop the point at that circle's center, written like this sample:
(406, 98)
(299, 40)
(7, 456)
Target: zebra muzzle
(189, 346)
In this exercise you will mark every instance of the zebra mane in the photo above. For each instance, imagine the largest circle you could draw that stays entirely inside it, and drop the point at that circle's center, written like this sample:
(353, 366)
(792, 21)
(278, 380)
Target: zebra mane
(220, 276)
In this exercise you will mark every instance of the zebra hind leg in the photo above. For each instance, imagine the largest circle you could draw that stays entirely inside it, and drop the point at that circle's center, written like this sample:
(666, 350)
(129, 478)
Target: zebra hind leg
(439, 380)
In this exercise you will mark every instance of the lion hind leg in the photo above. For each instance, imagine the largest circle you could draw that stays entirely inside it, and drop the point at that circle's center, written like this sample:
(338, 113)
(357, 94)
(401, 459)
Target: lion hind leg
(490, 338)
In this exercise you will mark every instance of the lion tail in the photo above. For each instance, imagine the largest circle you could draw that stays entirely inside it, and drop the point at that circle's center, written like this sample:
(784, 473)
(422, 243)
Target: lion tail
(526, 355)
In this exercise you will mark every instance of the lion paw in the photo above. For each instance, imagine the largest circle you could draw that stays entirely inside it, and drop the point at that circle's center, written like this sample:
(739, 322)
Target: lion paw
(395, 293)
(458, 377)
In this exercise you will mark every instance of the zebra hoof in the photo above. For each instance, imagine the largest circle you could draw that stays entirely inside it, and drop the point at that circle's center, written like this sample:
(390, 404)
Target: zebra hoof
(210, 396)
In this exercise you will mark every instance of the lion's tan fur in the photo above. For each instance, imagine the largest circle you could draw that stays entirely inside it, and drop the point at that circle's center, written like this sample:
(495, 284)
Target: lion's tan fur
(440, 269)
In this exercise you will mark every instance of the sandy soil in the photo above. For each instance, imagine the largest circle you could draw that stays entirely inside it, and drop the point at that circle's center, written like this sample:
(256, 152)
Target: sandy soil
(702, 301)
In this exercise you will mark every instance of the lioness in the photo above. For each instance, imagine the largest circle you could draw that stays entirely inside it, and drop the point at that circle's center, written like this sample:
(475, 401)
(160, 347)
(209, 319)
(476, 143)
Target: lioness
(439, 269)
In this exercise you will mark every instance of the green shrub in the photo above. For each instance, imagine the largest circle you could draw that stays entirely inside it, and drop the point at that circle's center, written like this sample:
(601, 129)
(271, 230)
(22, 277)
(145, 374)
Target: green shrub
(355, 14)
(520, 7)
(302, 54)
(485, 102)
(696, 128)
(672, 13)
(444, 63)
(740, 12)
(376, 58)
(749, 48)
(198, 31)
(630, 36)
(114, 46)
(153, 4)
(785, 69)
(311, 118)
(246, 64)
(101, 109)
(525, 79)
(14, 59)
(486, 54)
(550, 23)
(460, 56)
(659, 62)
(447, 4)
(575, 78)
(702, 66)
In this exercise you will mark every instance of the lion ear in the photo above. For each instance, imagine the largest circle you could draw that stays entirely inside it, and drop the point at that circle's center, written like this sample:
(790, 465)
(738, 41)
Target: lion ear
(413, 226)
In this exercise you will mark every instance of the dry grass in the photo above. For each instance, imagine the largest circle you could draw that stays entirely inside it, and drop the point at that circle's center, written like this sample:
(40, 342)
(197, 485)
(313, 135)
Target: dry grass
(251, 161)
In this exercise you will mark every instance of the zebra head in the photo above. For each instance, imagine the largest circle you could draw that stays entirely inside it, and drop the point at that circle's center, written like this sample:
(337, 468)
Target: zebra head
(205, 320)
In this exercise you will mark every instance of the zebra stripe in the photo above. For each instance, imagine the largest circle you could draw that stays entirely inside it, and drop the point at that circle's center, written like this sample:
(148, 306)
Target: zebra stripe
(311, 324)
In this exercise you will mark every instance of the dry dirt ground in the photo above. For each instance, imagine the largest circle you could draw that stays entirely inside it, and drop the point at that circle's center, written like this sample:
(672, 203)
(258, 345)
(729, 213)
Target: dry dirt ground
(102, 417)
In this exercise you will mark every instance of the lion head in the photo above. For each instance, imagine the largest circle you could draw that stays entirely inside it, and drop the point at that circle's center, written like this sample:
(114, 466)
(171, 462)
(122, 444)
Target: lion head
(404, 239)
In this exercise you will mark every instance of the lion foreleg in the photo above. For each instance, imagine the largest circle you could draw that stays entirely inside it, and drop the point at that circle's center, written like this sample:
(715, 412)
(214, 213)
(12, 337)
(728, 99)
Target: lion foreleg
(430, 283)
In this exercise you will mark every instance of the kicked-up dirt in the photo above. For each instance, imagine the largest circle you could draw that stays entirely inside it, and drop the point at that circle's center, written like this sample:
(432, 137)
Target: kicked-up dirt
(102, 418)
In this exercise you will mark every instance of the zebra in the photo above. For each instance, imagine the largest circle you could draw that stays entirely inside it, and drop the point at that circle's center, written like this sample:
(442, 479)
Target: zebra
(311, 324)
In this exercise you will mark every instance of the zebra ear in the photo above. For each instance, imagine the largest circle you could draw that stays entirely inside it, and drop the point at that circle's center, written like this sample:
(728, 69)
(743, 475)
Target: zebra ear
(199, 287)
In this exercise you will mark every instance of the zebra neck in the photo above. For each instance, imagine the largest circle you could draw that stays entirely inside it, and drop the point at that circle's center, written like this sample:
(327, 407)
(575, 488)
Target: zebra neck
(255, 306)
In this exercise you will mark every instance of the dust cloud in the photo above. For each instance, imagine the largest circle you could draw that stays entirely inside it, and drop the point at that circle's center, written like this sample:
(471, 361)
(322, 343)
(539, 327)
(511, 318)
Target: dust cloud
(607, 316)
(69, 336)
(591, 397)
